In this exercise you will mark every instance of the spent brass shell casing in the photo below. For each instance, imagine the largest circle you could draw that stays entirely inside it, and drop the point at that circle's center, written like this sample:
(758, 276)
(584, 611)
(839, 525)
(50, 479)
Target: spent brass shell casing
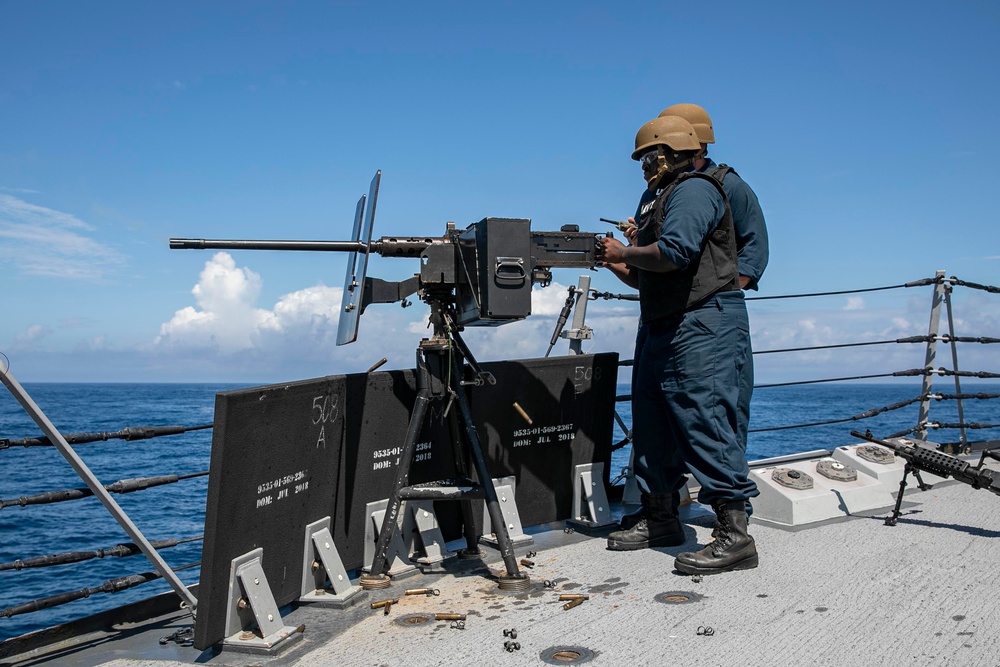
(573, 603)
(383, 603)
(449, 617)
(527, 563)
(421, 591)
(563, 597)
(524, 415)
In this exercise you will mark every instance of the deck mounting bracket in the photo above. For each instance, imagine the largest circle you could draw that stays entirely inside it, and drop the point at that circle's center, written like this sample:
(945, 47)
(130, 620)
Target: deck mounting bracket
(251, 602)
(321, 563)
(505, 487)
(397, 555)
(591, 509)
(421, 525)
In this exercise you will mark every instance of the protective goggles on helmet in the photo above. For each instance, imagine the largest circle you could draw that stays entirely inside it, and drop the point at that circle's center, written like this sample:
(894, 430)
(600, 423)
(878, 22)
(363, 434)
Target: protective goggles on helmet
(648, 158)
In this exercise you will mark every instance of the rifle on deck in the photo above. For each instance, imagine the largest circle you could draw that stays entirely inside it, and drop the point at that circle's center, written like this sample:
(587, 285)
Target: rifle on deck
(919, 457)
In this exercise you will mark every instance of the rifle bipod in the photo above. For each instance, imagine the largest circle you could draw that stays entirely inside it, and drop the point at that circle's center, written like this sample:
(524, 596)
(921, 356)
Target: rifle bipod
(921, 457)
(440, 362)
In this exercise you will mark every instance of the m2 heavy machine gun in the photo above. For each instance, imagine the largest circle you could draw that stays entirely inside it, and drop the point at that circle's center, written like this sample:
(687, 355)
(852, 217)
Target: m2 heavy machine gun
(479, 276)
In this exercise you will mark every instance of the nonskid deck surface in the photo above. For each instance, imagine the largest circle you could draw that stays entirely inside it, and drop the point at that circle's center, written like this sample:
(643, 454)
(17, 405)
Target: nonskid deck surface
(853, 592)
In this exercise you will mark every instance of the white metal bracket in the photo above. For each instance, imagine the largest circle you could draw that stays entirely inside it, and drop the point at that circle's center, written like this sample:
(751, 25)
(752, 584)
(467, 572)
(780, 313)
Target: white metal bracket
(508, 506)
(397, 553)
(591, 510)
(321, 563)
(252, 603)
(422, 535)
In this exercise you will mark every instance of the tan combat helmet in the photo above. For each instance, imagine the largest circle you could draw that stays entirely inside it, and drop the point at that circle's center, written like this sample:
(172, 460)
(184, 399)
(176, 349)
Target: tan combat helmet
(674, 143)
(672, 131)
(697, 116)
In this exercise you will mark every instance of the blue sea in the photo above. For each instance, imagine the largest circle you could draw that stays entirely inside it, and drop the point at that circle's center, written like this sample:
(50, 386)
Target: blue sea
(178, 510)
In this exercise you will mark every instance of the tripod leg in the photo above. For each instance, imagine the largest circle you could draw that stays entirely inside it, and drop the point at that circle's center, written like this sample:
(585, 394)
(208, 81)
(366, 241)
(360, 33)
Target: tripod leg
(462, 470)
(389, 525)
(492, 502)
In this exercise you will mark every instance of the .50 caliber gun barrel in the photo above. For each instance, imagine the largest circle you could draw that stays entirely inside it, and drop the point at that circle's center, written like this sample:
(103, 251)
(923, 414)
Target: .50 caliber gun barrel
(245, 244)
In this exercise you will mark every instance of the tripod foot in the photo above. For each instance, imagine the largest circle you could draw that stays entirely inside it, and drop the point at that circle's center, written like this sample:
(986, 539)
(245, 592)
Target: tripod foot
(514, 582)
(374, 581)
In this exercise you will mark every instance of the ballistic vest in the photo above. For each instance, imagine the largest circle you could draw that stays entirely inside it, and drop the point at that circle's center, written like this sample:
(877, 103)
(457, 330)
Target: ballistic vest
(671, 293)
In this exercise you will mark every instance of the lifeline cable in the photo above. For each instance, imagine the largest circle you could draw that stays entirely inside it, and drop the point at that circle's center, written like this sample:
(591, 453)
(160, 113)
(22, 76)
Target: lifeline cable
(861, 415)
(110, 586)
(128, 434)
(121, 486)
(986, 288)
(123, 550)
(916, 283)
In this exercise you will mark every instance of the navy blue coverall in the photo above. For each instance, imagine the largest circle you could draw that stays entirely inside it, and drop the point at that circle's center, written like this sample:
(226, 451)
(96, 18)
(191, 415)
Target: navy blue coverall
(686, 392)
(752, 256)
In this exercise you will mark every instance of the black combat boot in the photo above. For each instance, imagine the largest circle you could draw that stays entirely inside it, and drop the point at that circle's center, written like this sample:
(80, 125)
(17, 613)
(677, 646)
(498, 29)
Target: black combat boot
(659, 528)
(629, 520)
(732, 548)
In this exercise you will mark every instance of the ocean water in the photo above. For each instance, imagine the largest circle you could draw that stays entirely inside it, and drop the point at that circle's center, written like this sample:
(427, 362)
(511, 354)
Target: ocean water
(178, 510)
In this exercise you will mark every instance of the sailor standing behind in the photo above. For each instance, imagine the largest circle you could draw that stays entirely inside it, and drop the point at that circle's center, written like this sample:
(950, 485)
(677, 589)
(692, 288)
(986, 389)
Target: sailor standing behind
(686, 394)
(748, 221)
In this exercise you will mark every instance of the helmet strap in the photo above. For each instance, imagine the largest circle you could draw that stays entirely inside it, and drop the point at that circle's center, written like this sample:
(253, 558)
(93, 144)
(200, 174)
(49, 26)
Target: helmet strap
(665, 169)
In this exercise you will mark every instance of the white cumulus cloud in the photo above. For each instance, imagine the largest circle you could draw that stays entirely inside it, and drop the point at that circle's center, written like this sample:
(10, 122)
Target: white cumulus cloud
(226, 317)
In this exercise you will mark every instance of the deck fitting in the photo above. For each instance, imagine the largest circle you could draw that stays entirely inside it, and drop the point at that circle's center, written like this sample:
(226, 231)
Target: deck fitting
(677, 597)
(412, 620)
(566, 655)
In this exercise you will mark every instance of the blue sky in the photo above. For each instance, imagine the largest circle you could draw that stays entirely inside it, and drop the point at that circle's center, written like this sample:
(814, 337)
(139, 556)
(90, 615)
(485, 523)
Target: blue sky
(867, 129)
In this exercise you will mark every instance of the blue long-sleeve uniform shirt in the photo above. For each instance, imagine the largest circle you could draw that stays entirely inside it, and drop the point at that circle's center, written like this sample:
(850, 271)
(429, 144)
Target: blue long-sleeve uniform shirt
(692, 211)
(748, 221)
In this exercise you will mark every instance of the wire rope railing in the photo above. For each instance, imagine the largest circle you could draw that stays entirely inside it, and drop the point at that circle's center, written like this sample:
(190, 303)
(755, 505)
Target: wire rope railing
(942, 291)
(140, 546)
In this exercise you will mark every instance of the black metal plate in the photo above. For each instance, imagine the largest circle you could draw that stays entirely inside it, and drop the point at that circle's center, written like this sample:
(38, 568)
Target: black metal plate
(571, 402)
(267, 440)
(274, 469)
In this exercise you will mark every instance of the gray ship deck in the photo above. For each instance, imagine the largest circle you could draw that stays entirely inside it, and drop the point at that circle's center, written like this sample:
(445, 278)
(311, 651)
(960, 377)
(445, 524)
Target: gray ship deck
(846, 592)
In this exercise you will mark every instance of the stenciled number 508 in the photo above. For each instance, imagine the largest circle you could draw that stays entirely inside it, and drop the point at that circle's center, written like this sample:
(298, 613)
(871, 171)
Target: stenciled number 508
(586, 373)
(324, 409)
